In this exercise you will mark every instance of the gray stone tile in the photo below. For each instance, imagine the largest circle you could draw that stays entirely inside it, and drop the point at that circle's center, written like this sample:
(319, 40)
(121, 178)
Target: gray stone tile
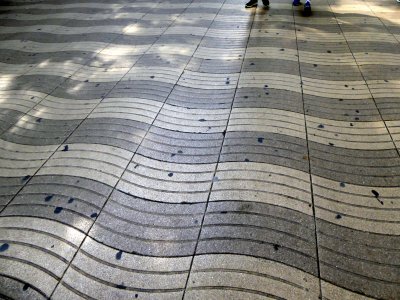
(260, 230)
(37, 131)
(265, 148)
(270, 65)
(148, 228)
(318, 71)
(14, 289)
(268, 98)
(180, 147)
(199, 98)
(372, 46)
(40, 83)
(160, 60)
(364, 167)
(73, 201)
(214, 65)
(9, 186)
(321, 47)
(359, 261)
(125, 134)
(157, 91)
(73, 89)
(8, 118)
(380, 72)
(272, 42)
(341, 109)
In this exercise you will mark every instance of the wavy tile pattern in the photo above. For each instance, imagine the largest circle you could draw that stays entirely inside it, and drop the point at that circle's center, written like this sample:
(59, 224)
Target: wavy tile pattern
(199, 150)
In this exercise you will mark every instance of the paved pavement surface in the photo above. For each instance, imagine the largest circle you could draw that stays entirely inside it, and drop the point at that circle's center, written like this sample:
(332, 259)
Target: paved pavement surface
(199, 150)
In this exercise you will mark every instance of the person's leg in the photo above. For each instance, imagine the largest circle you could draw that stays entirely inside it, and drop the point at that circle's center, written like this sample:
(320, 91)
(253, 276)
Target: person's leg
(251, 3)
(296, 2)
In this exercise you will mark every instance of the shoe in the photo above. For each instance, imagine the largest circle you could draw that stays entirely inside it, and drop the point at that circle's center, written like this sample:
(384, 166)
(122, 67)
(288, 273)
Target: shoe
(266, 2)
(251, 3)
(307, 7)
(296, 2)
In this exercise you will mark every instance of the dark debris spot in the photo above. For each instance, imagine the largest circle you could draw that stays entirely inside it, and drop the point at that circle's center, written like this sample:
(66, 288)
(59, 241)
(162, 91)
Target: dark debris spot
(251, 64)
(376, 194)
(170, 174)
(93, 215)
(321, 126)
(223, 212)
(342, 184)
(180, 151)
(25, 287)
(152, 77)
(202, 120)
(329, 51)
(246, 160)
(58, 209)
(25, 178)
(48, 198)
(173, 154)
(136, 295)
(276, 247)
(315, 65)
(38, 120)
(70, 200)
(331, 144)
(338, 216)
(118, 256)
(4, 247)
(224, 132)
(66, 148)
(260, 140)
(121, 286)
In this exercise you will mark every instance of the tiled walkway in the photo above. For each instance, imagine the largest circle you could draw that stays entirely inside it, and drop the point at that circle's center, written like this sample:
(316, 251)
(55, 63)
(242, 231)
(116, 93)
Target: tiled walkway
(198, 150)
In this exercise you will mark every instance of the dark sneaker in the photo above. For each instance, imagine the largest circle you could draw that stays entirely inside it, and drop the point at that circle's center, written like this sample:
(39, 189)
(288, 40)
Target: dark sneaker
(296, 2)
(307, 7)
(251, 3)
(266, 2)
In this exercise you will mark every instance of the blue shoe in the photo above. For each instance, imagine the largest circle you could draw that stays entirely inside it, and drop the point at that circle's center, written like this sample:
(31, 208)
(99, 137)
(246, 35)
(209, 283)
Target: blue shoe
(307, 7)
(296, 2)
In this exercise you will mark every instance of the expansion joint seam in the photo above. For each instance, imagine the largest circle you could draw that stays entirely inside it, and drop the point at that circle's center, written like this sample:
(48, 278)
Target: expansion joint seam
(309, 160)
